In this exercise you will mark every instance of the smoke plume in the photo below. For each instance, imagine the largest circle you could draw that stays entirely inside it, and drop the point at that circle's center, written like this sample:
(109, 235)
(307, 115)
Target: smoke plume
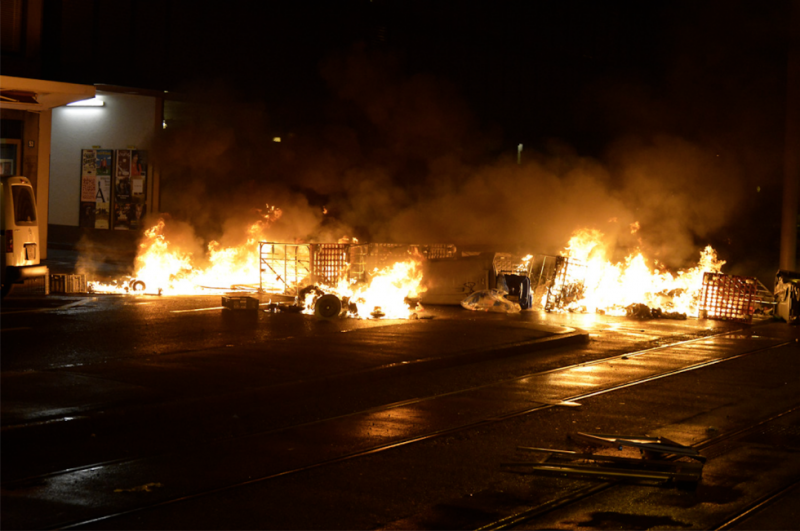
(393, 157)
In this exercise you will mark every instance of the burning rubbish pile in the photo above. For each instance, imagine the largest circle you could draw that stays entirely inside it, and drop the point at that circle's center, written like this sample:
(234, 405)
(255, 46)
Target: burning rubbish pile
(585, 280)
(325, 279)
(389, 293)
(360, 280)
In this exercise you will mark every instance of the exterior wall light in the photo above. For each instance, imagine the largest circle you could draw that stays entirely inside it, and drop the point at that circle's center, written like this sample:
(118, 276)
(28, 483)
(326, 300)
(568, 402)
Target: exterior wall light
(92, 102)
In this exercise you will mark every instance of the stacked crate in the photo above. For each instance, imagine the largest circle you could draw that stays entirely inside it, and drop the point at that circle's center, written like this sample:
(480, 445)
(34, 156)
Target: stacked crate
(60, 283)
(728, 297)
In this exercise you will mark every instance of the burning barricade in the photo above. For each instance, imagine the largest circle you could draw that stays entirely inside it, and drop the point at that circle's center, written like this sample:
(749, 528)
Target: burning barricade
(393, 281)
(346, 279)
(585, 281)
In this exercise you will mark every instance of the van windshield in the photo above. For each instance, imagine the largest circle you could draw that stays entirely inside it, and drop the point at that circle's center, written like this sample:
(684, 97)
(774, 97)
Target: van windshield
(24, 207)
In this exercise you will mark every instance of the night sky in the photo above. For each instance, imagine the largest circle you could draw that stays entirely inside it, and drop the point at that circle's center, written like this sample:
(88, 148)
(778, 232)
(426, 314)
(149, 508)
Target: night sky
(581, 71)
(398, 115)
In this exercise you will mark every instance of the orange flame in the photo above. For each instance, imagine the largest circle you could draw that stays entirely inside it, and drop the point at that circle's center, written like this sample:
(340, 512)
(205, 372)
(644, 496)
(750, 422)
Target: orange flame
(166, 269)
(612, 288)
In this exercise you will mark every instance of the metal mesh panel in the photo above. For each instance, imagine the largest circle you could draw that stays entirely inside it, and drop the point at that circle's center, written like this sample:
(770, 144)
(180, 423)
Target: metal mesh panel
(439, 251)
(358, 262)
(383, 255)
(728, 297)
(287, 266)
(283, 266)
(510, 264)
(568, 285)
(330, 262)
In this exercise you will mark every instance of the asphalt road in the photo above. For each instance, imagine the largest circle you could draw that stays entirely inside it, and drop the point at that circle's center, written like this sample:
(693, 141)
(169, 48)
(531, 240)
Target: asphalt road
(146, 412)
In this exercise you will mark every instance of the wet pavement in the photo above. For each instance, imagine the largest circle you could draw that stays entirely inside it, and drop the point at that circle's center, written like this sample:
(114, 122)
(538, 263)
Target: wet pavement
(115, 407)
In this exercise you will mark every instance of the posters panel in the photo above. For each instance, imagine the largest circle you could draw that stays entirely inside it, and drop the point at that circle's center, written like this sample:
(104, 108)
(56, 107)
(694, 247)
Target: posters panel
(130, 189)
(105, 158)
(139, 176)
(96, 165)
(86, 217)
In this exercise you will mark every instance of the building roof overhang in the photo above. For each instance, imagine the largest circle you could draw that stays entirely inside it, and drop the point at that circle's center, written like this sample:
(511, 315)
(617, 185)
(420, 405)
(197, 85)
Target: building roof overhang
(38, 95)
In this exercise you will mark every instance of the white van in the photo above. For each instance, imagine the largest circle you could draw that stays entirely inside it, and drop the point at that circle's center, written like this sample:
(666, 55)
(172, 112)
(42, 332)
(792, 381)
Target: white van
(19, 226)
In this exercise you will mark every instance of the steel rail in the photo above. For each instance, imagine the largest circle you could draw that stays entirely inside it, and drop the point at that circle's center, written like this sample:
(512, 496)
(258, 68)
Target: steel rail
(760, 504)
(586, 492)
(400, 365)
(377, 409)
(411, 440)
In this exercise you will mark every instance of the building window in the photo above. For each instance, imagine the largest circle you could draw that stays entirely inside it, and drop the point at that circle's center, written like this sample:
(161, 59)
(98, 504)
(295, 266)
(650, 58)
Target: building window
(12, 27)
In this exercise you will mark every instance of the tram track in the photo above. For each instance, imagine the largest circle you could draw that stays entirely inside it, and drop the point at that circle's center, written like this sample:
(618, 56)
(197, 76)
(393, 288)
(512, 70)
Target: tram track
(430, 434)
(585, 493)
(762, 504)
(396, 404)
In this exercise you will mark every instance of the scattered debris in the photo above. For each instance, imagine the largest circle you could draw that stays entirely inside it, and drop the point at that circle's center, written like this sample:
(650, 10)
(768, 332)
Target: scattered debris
(137, 285)
(147, 487)
(518, 289)
(787, 296)
(239, 303)
(349, 307)
(661, 461)
(328, 306)
(60, 283)
(642, 311)
(288, 307)
(490, 300)
(420, 312)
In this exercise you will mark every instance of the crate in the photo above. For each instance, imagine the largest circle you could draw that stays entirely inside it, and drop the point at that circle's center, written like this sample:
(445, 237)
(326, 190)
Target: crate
(60, 283)
(240, 303)
(728, 297)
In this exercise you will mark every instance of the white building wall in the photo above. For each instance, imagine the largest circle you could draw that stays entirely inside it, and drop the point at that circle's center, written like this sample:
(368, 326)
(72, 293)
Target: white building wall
(125, 121)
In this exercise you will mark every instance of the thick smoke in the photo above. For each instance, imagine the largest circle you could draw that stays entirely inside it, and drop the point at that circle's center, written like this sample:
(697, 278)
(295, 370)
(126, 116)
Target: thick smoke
(401, 158)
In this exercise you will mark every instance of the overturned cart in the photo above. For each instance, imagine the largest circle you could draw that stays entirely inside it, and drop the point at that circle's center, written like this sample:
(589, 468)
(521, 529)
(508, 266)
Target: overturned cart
(662, 461)
(333, 278)
(449, 273)
(289, 267)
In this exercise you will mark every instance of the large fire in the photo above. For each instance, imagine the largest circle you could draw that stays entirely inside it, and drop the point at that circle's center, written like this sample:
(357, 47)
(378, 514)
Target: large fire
(598, 285)
(165, 269)
(387, 295)
(586, 281)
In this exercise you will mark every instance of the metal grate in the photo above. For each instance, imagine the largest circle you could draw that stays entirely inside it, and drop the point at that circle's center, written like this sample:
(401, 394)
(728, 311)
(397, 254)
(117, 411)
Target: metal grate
(358, 262)
(287, 267)
(67, 283)
(329, 264)
(283, 266)
(568, 285)
(439, 251)
(728, 297)
(510, 264)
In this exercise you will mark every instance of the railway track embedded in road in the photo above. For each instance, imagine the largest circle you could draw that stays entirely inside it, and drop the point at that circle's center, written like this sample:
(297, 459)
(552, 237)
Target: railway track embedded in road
(429, 434)
(582, 494)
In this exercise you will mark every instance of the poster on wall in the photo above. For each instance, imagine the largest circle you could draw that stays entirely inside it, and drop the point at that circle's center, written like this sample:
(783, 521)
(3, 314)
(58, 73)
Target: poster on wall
(104, 160)
(95, 188)
(88, 188)
(122, 190)
(130, 189)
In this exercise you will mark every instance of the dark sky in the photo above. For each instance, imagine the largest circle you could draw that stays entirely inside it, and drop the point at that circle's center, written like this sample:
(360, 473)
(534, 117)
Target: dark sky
(535, 69)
